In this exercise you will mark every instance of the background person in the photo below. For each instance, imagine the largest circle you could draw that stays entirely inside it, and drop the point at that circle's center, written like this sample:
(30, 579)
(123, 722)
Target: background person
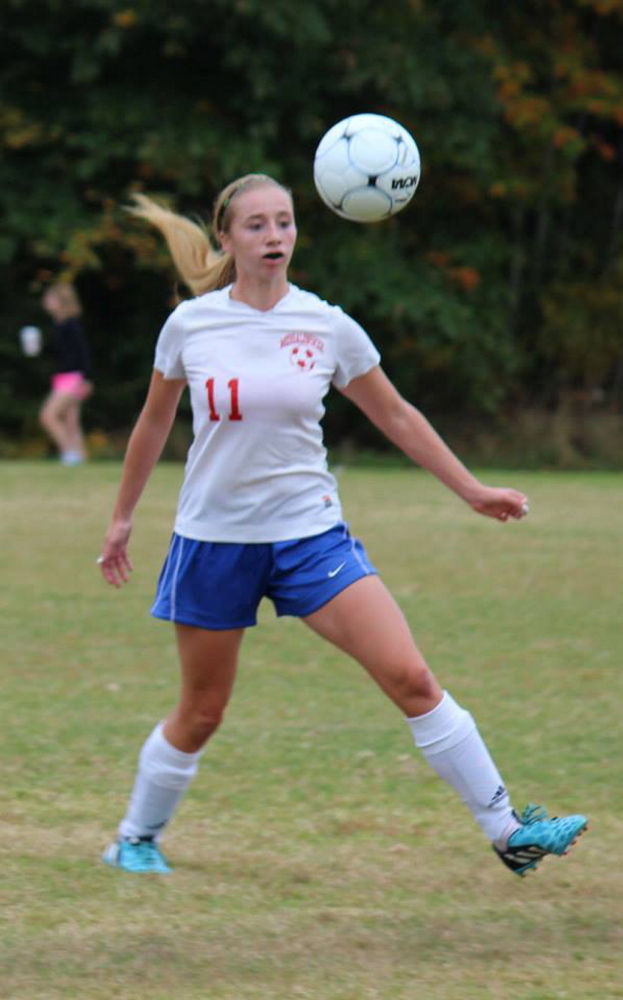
(60, 415)
(259, 515)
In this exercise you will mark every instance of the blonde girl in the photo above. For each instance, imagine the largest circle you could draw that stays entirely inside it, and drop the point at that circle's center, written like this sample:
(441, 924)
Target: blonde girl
(259, 515)
(60, 413)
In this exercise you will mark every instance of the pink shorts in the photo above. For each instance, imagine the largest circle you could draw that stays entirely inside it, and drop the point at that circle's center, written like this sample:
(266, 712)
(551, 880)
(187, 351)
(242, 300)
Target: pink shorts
(69, 384)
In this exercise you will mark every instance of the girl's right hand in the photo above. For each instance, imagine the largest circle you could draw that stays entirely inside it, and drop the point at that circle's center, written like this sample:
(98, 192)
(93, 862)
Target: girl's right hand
(114, 562)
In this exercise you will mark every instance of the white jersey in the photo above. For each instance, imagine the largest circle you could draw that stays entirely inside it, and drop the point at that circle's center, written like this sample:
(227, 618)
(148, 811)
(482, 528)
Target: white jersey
(257, 468)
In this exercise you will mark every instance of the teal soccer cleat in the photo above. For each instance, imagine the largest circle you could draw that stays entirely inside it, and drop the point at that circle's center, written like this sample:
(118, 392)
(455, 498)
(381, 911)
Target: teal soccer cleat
(538, 836)
(138, 855)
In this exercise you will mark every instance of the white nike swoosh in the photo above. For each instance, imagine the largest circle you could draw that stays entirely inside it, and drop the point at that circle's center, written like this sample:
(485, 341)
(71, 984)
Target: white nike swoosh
(334, 572)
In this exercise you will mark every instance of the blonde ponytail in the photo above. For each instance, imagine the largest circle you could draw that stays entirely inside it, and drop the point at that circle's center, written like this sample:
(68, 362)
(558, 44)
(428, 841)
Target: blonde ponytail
(200, 266)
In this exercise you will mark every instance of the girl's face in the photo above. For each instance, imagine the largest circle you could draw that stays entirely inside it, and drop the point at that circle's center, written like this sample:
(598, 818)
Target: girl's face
(262, 232)
(51, 302)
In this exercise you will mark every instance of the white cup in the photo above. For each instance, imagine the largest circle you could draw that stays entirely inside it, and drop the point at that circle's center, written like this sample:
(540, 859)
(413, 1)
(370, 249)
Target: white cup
(30, 339)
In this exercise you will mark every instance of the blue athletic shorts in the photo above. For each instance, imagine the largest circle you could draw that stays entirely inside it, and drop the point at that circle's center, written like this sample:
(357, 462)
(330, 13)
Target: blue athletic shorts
(219, 585)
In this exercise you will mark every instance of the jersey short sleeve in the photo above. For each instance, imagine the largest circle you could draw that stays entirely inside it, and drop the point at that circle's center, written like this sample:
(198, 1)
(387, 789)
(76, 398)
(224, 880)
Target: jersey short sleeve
(168, 359)
(355, 354)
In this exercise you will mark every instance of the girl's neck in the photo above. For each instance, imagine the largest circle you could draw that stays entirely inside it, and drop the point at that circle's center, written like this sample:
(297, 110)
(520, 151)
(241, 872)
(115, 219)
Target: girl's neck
(262, 296)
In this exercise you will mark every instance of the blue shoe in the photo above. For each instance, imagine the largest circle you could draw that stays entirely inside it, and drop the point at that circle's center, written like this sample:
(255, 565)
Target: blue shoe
(136, 854)
(538, 836)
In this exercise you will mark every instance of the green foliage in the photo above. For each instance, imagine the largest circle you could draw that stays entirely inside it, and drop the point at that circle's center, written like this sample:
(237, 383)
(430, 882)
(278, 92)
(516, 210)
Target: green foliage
(582, 329)
(518, 111)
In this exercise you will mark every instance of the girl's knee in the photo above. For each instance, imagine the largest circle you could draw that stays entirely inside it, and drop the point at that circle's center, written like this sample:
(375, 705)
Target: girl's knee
(417, 681)
(200, 721)
(209, 719)
(51, 413)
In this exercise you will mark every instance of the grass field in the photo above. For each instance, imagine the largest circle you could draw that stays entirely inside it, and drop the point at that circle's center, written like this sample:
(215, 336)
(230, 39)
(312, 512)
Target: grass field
(316, 855)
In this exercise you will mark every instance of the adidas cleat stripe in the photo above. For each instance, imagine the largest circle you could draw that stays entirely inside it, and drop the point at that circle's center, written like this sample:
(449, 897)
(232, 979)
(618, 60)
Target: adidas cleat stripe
(538, 836)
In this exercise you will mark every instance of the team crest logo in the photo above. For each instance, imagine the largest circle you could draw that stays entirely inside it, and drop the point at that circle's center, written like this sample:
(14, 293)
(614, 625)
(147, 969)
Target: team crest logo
(302, 357)
(304, 349)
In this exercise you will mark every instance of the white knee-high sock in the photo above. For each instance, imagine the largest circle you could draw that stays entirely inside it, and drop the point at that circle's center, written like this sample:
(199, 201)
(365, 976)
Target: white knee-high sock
(163, 776)
(451, 743)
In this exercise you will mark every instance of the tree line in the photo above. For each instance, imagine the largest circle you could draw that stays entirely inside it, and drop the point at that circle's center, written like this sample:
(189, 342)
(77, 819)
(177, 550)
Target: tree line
(499, 288)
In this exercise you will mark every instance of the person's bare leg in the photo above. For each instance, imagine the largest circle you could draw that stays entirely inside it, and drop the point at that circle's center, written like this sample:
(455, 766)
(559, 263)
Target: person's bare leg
(52, 418)
(73, 426)
(208, 661)
(169, 759)
(365, 622)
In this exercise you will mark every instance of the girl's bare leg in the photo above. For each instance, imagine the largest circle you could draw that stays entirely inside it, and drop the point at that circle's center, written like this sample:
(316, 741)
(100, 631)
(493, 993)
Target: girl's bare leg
(73, 426)
(52, 418)
(365, 621)
(208, 661)
(169, 759)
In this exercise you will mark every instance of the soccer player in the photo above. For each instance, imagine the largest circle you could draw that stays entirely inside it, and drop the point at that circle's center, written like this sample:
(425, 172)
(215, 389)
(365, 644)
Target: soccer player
(259, 514)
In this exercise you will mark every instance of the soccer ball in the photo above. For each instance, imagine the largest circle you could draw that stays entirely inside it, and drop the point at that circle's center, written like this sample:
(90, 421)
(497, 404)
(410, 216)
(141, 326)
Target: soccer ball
(367, 168)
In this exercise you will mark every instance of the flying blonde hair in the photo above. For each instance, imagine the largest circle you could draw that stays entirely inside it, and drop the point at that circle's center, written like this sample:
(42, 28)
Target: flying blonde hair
(201, 267)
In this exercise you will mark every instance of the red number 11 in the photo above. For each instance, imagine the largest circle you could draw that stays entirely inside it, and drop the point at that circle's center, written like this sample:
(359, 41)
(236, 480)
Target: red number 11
(234, 411)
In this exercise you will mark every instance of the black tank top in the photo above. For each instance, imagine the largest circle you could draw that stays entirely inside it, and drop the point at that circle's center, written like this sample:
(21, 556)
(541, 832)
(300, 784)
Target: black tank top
(70, 346)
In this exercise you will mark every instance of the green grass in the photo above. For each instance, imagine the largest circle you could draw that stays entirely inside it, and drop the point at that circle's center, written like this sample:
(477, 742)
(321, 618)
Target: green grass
(316, 855)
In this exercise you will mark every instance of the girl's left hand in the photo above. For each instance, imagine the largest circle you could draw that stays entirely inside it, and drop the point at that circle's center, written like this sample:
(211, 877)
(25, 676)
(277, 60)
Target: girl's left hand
(500, 503)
